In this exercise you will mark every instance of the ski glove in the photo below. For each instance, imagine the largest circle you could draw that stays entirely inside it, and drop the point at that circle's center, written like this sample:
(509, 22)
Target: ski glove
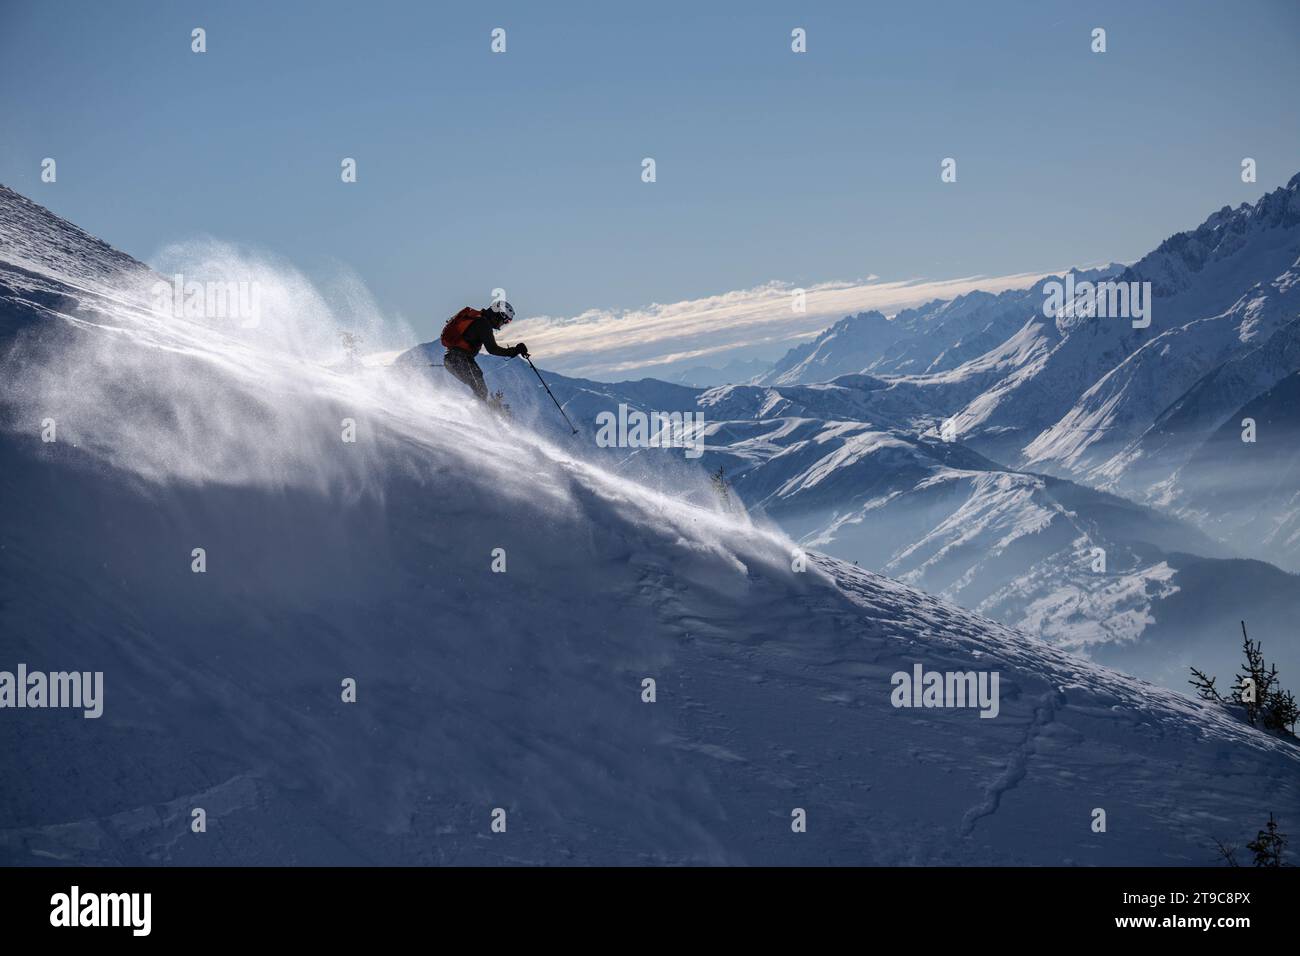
(521, 349)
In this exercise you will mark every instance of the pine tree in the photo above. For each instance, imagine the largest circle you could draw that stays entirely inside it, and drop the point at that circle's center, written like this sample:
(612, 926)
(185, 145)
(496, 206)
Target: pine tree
(1282, 712)
(1269, 845)
(1256, 683)
(1205, 688)
(1258, 690)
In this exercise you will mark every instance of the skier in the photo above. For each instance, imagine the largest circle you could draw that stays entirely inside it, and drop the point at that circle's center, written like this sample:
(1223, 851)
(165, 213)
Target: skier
(470, 330)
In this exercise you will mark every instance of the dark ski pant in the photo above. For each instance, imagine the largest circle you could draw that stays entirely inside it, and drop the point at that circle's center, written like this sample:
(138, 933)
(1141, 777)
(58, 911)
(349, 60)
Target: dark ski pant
(462, 365)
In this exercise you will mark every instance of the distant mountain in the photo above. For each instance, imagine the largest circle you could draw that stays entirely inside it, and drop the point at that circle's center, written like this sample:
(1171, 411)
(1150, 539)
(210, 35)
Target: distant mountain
(1095, 399)
(704, 376)
(1220, 291)
(935, 337)
(851, 345)
(1248, 492)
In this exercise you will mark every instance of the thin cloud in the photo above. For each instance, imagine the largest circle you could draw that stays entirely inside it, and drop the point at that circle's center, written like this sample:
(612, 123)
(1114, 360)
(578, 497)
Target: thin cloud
(603, 343)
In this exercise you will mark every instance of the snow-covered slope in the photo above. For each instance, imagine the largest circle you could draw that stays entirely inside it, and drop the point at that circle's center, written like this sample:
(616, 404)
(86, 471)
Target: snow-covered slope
(1180, 429)
(477, 690)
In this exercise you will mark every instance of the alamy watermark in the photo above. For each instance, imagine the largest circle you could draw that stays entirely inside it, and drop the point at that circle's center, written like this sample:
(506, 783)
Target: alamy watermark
(632, 428)
(75, 689)
(923, 688)
(216, 301)
(75, 908)
(1102, 300)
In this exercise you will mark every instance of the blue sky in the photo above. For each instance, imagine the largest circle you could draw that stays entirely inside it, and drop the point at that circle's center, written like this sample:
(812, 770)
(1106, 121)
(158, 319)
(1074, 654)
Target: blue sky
(522, 170)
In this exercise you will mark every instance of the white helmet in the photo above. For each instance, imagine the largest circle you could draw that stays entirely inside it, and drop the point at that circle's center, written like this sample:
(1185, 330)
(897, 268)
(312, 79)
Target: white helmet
(504, 311)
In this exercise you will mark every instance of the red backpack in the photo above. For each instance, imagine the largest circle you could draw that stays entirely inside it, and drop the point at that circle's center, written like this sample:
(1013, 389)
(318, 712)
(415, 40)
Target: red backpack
(453, 333)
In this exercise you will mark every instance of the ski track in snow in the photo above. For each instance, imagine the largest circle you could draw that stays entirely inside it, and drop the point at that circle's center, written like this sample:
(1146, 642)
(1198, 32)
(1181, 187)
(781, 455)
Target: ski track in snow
(1017, 764)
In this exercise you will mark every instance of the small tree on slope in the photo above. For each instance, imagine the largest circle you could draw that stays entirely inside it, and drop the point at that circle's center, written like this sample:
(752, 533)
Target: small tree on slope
(1258, 691)
(1269, 845)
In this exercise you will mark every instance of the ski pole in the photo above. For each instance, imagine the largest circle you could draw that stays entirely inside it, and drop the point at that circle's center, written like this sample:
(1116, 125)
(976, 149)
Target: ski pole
(549, 392)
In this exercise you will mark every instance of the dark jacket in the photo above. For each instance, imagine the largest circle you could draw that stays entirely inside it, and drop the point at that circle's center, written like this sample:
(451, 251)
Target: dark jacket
(480, 335)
